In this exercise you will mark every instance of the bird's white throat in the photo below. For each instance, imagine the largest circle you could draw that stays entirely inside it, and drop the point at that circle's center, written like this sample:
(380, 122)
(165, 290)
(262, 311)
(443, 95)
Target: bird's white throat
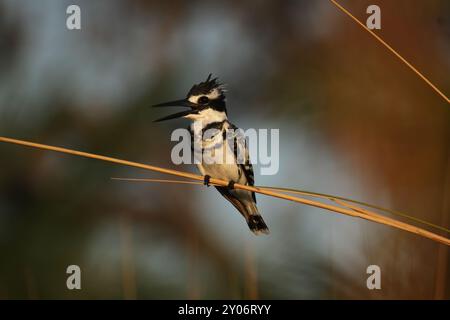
(206, 116)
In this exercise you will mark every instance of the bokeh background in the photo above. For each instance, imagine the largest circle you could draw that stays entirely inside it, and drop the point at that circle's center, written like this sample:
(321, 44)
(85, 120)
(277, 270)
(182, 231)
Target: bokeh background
(354, 121)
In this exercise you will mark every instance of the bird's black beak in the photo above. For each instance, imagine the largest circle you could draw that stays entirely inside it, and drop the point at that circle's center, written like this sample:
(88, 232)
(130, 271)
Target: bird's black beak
(177, 103)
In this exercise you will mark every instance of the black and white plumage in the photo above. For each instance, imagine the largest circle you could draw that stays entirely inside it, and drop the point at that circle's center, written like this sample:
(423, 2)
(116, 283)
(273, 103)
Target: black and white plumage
(222, 145)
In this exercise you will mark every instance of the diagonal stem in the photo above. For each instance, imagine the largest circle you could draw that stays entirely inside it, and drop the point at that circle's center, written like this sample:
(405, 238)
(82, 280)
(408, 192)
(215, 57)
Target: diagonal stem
(384, 43)
(305, 193)
(374, 217)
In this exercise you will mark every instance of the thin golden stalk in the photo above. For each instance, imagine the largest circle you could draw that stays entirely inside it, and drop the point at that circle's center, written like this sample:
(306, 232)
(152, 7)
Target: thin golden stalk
(163, 181)
(414, 69)
(374, 217)
(302, 192)
(333, 197)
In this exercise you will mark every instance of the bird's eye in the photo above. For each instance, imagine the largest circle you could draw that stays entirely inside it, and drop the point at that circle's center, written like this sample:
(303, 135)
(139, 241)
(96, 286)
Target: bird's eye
(203, 100)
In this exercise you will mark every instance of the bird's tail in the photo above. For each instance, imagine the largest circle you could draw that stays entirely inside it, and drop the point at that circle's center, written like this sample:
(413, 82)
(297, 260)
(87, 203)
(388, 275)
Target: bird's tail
(255, 221)
(247, 207)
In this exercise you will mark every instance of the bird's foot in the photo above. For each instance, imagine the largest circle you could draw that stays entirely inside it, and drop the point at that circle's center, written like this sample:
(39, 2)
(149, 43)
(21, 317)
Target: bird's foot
(230, 185)
(206, 179)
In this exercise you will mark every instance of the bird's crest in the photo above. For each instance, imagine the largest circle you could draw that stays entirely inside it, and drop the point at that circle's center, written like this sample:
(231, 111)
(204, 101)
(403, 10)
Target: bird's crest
(206, 87)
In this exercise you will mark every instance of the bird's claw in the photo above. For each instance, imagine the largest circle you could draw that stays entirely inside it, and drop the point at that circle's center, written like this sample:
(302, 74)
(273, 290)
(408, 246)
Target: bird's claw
(230, 185)
(206, 179)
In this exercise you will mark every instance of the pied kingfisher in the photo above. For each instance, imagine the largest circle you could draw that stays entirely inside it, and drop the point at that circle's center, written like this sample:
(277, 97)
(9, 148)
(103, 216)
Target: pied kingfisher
(208, 113)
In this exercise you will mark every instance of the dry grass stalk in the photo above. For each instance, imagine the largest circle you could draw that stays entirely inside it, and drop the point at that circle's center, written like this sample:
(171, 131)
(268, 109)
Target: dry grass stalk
(305, 193)
(414, 69)
(350, 212)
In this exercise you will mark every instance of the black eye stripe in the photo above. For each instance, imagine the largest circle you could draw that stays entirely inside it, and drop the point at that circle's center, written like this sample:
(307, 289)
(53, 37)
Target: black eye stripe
(203, 99)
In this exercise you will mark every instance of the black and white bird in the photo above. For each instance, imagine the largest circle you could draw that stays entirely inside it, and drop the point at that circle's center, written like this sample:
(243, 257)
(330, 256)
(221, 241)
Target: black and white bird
(208, 113)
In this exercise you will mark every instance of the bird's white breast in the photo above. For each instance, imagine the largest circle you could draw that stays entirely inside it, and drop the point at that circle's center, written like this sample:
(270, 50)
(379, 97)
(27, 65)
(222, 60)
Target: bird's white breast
(218, 158)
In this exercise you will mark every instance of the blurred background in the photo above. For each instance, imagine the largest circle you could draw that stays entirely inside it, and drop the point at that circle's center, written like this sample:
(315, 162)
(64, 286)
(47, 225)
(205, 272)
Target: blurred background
(354, 121)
